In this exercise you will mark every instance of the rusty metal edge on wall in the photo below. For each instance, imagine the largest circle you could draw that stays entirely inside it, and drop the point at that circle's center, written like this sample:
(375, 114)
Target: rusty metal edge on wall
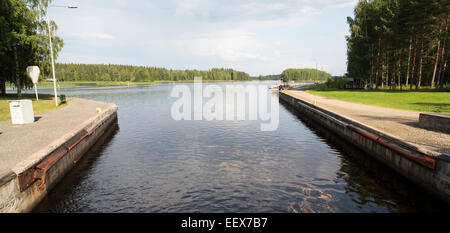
(22, 192)
(39, 171)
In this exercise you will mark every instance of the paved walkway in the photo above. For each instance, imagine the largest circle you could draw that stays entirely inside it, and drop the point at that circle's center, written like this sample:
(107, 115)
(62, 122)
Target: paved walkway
(18, 142)
(400, 123)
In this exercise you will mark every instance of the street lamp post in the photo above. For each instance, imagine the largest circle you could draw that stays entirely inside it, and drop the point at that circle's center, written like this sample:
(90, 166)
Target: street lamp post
(51, 50)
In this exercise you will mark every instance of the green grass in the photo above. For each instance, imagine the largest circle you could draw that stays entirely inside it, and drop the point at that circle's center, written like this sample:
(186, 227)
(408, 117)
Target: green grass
(419, 101)
(45, 103)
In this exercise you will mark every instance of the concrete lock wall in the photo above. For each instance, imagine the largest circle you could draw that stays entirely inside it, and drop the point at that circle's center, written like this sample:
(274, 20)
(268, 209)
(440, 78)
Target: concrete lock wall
(430, 171)
(22, 192)
(439, 122)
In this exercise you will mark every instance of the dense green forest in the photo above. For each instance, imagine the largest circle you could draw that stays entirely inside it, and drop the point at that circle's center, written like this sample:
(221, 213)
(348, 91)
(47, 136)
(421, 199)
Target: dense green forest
(269, 77)
(399, 42)
(304, 75)
(89, 72)
(297, 75)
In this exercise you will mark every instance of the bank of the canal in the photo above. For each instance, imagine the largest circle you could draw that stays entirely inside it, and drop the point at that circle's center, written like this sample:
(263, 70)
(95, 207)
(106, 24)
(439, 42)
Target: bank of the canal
(417, 160)
(34, 157)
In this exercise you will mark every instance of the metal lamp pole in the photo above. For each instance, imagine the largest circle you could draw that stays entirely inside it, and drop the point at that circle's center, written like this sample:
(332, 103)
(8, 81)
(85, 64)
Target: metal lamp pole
(51, 50)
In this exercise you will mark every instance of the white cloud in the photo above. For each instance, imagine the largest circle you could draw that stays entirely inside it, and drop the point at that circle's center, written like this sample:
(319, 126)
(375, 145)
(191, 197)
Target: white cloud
(259, 37)
(229, 45)
(90, 35)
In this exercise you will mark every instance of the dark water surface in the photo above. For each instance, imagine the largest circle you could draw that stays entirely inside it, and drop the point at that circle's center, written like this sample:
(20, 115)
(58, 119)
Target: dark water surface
(155, 164)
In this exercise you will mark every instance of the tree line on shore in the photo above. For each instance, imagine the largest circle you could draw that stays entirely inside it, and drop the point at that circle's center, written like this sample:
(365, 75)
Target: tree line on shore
(399, 43)
(269, 77)
(298, 75)
(304, 75)
(99, 72)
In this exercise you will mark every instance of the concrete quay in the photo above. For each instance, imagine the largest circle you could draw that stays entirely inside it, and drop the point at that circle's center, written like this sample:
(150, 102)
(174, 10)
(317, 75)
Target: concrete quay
(398, 123)
(36, 156)
(434, 121)
(424, 162)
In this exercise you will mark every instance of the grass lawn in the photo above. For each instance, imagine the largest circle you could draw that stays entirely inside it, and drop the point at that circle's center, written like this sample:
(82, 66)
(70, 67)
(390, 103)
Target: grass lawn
(419, 101)
(45, 103)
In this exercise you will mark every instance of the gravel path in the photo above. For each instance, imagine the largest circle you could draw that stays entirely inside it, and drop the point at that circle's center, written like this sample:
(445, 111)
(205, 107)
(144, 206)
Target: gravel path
(400, 123)
(18, 142)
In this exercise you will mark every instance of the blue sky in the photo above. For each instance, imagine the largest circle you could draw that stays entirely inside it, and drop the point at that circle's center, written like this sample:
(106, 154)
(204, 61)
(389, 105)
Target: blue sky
(258, 37)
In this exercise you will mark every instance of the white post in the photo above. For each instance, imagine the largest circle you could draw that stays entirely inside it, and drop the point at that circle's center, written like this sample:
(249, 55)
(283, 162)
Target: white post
(53, 62)
(35, 90)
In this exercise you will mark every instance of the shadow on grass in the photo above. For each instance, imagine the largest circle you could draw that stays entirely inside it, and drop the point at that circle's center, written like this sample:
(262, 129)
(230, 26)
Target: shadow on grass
(434, 104)
(26, 96)
(435, 107)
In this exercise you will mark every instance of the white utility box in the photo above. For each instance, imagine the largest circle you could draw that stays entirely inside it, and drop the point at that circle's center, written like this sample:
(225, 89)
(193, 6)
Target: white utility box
(21, 111)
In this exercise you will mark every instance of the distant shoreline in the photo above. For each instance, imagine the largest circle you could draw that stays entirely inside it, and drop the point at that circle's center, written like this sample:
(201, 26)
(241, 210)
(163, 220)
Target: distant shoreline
(121, 83)
(118, 83)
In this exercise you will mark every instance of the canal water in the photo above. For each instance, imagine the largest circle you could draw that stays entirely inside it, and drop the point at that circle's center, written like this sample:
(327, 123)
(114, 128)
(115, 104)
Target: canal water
(153, 163)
